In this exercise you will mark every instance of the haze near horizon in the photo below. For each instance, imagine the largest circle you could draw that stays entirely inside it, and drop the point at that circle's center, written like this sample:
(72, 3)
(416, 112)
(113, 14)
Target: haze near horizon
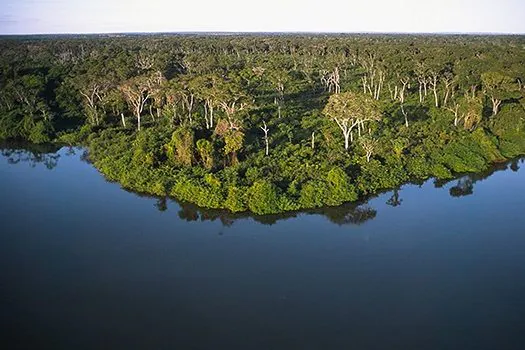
(404, 16)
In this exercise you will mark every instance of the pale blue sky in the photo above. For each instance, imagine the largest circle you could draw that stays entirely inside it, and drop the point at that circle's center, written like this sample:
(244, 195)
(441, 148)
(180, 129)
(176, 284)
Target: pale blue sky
(102, 16)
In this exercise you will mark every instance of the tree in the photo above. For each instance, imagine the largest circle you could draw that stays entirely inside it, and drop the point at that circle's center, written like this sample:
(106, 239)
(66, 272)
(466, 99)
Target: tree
(350, 110)
(265, 129)
(374, 76)
(370, 146)
(449, 80)
(180, 148)
(278, 78)
(421, 71)
(93, 93)
(210, 88)
(499, 88)
(205, 149)
(331, 81)
(137, 91)
(232, 109)
(405, 115)
(263, 198)
(27, 92)
(116, 102)
(470, 109)
(467, 109)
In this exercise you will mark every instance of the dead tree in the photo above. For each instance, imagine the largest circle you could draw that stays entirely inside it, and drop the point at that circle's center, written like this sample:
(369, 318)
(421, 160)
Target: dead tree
(331, 81)
(369, 145)
(404, 115)
(265, 129)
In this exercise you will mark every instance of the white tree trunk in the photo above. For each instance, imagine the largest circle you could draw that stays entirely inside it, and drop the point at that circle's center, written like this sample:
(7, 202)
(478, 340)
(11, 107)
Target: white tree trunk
(265, 129)
(495, 105)
(405, 115)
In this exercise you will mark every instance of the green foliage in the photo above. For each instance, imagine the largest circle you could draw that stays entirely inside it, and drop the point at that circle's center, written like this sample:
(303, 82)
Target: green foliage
(233, 142)
(263, 198)
(313, 194)
(205, 149)
(509, 127)
(461, 156)
(181, 148)
(335, 189)
(499, 85)
(470, 110)
(399, 145)
(376, 176)
(440, 171)
(40, 133)
(486, 146)
(418, 167)
(236, 201)
(340, 189)
(95, 97)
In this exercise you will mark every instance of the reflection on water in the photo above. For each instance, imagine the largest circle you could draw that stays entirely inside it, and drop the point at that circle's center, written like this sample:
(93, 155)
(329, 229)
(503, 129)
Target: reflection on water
(45, 154)
(86, 265)
(465, 185)
(394, 200)
(346, 214)
(349, 213)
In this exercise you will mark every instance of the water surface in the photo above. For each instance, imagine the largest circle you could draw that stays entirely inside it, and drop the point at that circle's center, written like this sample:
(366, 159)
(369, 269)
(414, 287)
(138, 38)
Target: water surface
(87, 265)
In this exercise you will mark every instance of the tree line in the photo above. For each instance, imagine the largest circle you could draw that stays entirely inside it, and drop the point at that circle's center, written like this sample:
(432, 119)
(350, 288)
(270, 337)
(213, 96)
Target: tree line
(237, 117)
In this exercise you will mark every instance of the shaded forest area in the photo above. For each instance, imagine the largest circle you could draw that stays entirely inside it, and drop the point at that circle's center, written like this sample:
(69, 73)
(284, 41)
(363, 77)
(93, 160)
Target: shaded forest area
(269, 123)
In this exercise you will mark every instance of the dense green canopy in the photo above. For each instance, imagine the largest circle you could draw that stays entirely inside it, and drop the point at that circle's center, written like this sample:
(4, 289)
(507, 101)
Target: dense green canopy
(269, 123)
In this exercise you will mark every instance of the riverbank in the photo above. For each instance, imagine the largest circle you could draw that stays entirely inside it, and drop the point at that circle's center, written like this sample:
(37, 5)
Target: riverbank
(139, 163)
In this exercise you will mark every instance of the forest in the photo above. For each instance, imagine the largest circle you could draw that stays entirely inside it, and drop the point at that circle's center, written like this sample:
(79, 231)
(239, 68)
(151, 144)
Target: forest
(268, 123)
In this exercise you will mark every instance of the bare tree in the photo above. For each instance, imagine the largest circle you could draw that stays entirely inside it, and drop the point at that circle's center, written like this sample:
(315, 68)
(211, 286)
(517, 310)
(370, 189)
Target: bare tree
(374, 77)
(331, 80)
(433, 81)
(404, 115)
(448, 81)
(136, 95)
(455, 110)
(137, 91)
(231, 109)
(404, 84)
(145, 61)
(93, 96)
(370, 146)
(467, 109)
(265, 129)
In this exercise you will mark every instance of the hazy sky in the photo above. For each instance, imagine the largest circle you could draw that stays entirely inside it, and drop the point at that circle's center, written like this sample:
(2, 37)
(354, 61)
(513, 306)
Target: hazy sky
(99, 16)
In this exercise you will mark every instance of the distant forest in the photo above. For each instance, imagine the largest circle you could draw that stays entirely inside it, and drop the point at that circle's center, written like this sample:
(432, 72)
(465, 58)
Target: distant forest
(269, 123)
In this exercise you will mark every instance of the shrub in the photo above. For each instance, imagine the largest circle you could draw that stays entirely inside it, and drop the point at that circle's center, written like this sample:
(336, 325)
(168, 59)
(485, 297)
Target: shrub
(263, 198)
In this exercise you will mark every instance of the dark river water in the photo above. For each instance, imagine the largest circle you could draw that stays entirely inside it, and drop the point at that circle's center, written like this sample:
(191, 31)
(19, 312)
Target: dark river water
(87, 265)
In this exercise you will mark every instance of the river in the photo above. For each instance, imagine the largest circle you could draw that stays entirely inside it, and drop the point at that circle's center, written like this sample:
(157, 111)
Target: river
(88, 265)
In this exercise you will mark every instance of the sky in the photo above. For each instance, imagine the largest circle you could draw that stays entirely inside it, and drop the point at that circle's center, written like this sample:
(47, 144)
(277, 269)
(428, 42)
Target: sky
(400, 16)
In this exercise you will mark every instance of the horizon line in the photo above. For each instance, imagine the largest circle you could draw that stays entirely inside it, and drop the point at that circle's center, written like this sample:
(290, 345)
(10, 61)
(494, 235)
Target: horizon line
(233, 32)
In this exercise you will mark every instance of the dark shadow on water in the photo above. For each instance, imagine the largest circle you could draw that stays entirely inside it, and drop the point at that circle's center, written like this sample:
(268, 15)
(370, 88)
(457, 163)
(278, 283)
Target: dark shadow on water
(349, 213)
